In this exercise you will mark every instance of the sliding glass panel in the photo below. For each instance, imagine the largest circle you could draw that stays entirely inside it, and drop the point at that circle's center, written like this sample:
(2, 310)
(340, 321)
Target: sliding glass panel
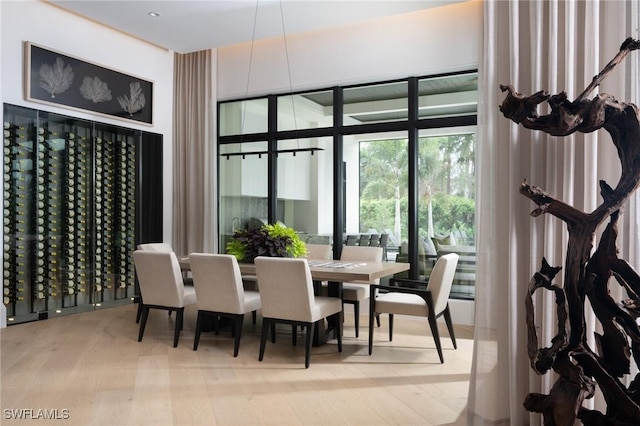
(448, 96)
(446, 207)
(243, 117)
(381, 180)
(305, 188)
(305, 111)
(243, 188)
(376, 103)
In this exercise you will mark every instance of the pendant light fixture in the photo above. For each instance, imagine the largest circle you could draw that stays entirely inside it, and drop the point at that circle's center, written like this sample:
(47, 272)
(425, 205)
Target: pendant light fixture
(293, 151)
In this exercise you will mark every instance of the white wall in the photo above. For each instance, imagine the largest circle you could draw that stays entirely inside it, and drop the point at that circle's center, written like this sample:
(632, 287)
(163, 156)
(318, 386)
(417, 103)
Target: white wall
(430, 41)
(51, 27)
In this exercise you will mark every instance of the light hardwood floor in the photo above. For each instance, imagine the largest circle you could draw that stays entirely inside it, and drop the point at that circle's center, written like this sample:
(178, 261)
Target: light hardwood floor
(90, 368)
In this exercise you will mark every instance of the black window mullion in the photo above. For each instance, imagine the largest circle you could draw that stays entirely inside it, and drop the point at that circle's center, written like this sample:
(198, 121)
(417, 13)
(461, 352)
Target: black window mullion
(272, 159)
(338, 173)
(412, 146)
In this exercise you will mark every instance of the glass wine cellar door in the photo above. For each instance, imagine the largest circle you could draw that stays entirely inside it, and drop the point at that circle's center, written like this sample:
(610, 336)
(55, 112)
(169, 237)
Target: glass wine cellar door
(73, 205)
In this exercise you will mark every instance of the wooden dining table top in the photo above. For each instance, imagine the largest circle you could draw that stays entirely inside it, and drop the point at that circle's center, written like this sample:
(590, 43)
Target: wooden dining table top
(332, 270)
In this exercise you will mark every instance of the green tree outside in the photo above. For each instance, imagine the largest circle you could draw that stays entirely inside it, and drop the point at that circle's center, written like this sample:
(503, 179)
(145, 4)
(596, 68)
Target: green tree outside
(446, 185)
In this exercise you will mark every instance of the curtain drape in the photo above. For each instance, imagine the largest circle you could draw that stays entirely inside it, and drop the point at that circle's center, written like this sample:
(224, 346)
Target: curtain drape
(553, 46)
(192, 153)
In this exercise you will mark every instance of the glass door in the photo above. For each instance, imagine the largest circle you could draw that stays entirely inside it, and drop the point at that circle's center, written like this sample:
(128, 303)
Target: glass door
(446, 208)
(377, 172)
(243, 188)
(305, 188)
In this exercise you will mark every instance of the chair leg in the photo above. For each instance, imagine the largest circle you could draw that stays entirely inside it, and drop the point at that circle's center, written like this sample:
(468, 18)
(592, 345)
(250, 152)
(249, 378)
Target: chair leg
(436, 334)
(294, 334)
(372, 314)
(143, 321)
(378, 320)
(390, 327)
(253, 317)
(447, 318)
(273, 331)
(266, 323)
(196, 339)
(307, 351)
(216, 324)
(339, 330)
(179, 318)
(139, 313)
(237, 332)
(356, 314)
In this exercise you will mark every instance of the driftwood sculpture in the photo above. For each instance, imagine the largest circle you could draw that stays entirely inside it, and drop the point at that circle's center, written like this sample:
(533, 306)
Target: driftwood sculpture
(580, 368)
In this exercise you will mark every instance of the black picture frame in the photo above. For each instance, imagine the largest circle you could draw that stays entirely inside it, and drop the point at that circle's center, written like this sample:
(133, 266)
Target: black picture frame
(58, 79)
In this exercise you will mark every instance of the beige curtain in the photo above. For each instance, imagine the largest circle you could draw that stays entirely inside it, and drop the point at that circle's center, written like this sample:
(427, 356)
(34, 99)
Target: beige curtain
(536, 45)
(192, 153)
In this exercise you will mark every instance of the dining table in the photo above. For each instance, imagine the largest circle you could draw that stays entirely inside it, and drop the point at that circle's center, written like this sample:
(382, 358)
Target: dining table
(335, 272)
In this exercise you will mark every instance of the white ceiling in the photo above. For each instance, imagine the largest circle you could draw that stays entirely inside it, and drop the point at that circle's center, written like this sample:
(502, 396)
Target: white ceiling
(188, 26)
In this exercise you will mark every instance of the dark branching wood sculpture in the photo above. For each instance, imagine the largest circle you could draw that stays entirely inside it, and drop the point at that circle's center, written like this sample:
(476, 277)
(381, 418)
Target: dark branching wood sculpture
(580, 368)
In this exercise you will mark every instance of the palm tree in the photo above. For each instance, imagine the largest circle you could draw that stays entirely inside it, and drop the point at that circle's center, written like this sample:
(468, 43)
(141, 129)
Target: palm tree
(384, 173)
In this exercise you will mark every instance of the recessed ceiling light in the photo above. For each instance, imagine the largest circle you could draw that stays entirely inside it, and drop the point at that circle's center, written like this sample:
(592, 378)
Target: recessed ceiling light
(154, 14)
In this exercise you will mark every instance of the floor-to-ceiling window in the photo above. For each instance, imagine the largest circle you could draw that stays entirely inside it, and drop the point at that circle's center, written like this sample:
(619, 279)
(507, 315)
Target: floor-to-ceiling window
(446, 202)
(383, 194)
(393, 158)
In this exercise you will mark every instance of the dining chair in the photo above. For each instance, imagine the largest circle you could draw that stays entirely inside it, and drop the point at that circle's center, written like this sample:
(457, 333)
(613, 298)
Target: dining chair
(374, 241)
(384, 240)
(356, 291)
(431, 302)
(220, 293)
(161, 287)
(352, 240)
(287, 297)
(364, 240)
(318, 251)
(162, 248)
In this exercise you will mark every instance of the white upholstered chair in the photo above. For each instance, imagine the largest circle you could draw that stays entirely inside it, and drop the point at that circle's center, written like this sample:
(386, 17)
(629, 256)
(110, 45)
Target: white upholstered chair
(431, 302)
(318, 251)
(161, 287)
(220, 293)
(286, 291)
(355, 292)
(162, 248)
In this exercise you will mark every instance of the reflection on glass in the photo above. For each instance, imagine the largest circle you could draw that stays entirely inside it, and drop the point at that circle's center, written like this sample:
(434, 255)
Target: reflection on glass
(243, 117)
(305, 189)
(375, 103)
(448, 96)
(243, 189)
(305, 111)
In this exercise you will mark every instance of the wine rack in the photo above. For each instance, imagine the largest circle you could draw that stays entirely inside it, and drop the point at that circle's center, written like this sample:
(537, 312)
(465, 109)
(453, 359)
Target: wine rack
(73, 198)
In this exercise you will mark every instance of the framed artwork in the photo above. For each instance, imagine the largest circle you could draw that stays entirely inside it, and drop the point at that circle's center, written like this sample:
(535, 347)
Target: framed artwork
(57, 79)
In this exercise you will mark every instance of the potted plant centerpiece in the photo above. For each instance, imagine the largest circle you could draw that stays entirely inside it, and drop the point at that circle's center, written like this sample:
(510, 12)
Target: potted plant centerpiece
(269, 240)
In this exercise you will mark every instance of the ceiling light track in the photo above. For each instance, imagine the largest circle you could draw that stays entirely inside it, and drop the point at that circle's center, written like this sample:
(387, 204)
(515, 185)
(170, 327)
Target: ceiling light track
(277, 152)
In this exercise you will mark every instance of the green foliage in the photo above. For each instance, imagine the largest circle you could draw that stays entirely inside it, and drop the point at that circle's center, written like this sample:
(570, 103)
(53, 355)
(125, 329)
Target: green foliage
(453, 212)
(295, 247)
(446, 169)
(377, 214)
(270, 240)
(236, 246)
